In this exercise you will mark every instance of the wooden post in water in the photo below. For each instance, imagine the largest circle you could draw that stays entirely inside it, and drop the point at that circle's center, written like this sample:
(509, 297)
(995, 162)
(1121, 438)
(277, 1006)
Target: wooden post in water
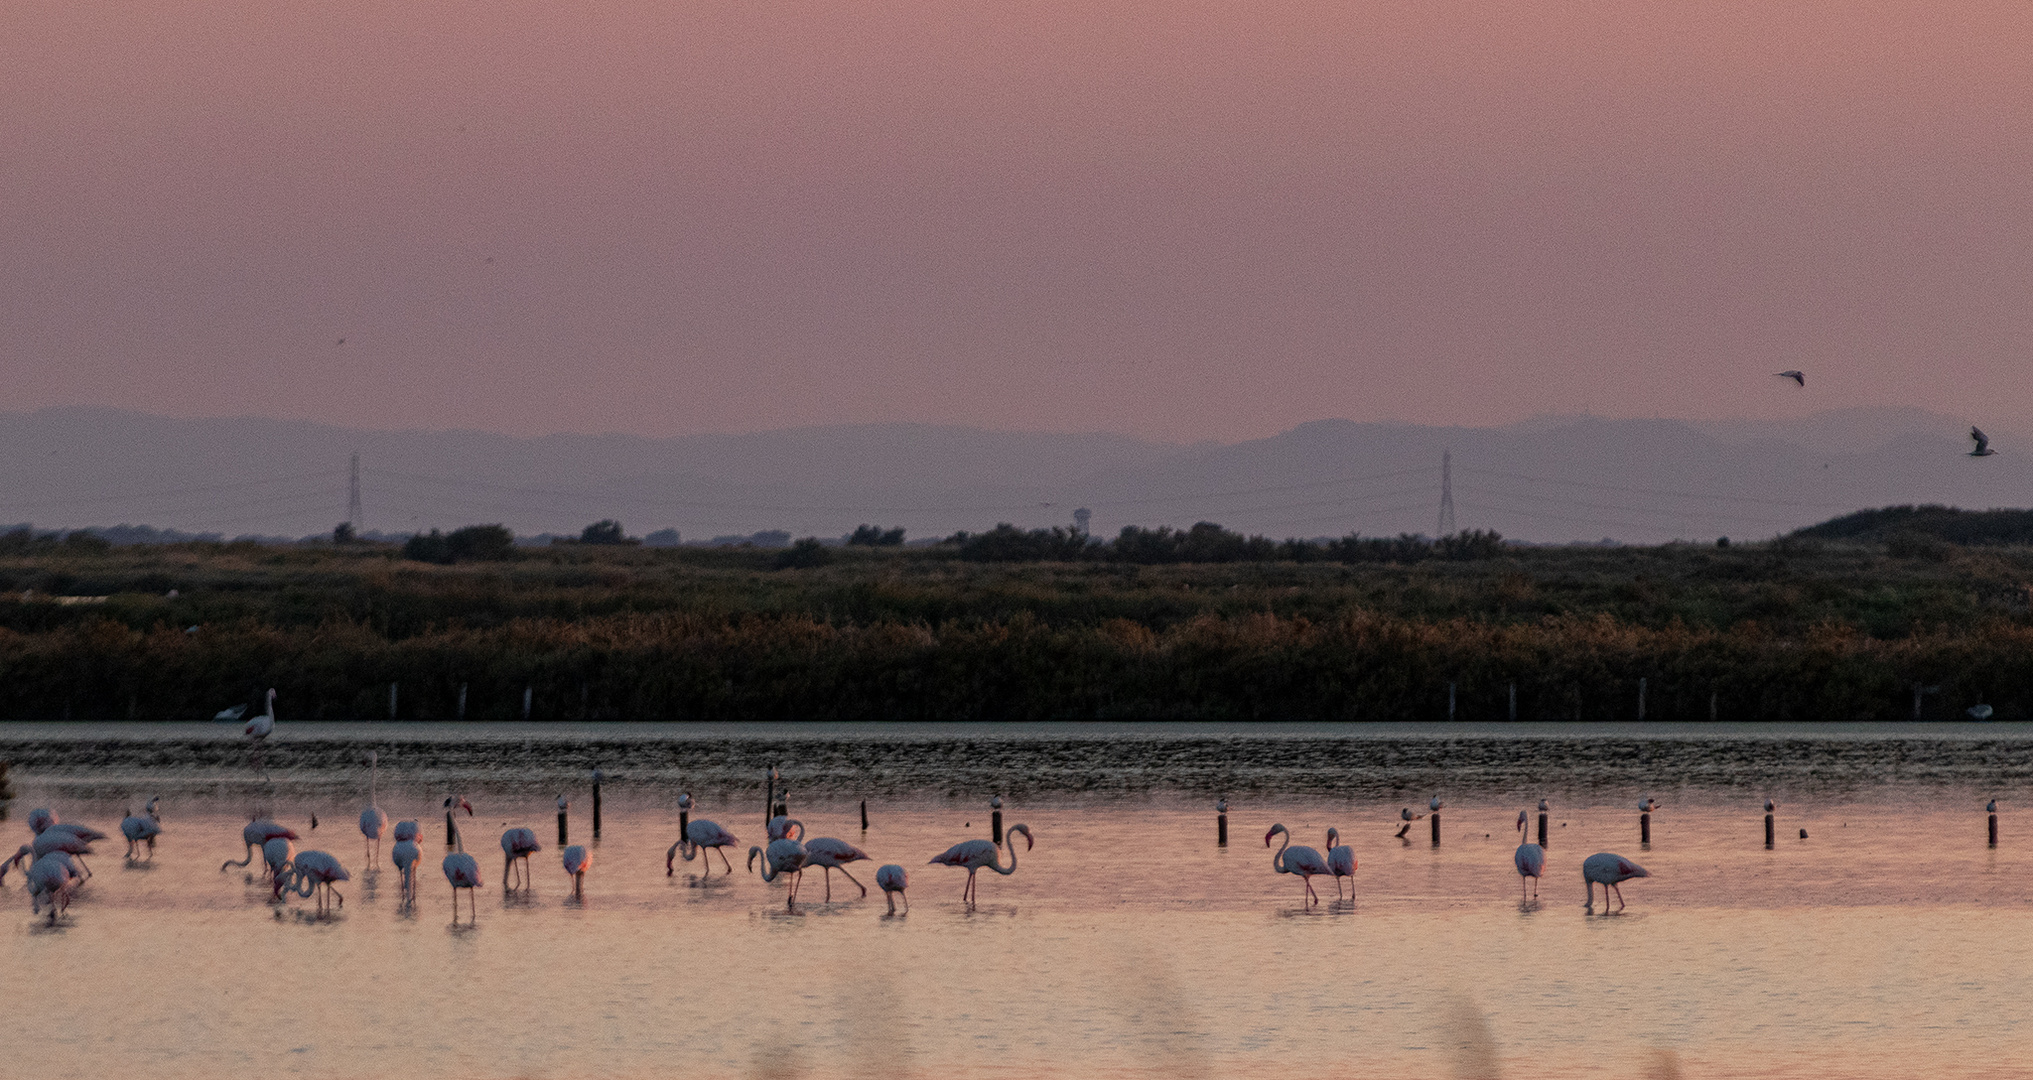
(995, 820)
(1768, 824)
(1542, 823)
(451, 827)
(1433, 807)
(783, 802)
(769, 799)
(864, 815)
(561, 819)
(684, 813)
(597, 777)
(1992, 809)
(1645, 808)
(1221, 823)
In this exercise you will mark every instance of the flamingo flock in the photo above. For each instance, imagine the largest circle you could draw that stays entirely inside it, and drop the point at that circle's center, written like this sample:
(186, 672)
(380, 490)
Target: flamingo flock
(56, 868)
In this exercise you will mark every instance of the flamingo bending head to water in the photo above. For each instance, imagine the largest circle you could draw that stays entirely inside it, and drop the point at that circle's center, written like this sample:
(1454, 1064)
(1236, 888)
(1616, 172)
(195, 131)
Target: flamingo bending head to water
(577, 862)
(702, 835)
(1609, 871)
(1303, 861)
(892, 880)
(52, 879)
(784, 856)
(256, 833)
(982, 855)
(830, 854)
(315, 871)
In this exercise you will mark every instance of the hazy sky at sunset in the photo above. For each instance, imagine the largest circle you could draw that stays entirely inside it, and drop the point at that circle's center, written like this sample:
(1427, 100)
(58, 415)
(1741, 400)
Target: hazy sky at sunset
(1181, 220)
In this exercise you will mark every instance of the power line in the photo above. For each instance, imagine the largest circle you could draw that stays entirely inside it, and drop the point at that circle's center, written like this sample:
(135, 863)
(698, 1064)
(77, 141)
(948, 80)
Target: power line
(1656, 491)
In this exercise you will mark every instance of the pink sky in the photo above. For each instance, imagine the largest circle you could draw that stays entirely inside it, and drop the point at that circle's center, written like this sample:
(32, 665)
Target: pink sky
(1181, 220)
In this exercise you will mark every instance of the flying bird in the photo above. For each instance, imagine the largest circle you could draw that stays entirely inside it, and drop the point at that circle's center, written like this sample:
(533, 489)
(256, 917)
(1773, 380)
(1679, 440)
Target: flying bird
(1983, 443)
(1797, 376)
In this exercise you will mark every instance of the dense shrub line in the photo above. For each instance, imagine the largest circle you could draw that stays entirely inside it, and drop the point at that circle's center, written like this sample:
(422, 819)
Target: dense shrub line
(678, 667)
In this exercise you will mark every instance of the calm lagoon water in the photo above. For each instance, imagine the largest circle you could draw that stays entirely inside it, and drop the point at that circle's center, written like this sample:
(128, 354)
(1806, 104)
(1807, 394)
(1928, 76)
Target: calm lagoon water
(1891, 942)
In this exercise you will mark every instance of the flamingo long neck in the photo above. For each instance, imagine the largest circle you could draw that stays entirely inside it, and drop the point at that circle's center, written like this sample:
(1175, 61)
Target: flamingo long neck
(997, 864)
(1278, 859)
(271, 706)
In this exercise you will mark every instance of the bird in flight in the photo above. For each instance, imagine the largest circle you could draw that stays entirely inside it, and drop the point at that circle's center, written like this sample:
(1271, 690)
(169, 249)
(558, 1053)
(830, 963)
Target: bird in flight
(1799, 377)
(1983, 443)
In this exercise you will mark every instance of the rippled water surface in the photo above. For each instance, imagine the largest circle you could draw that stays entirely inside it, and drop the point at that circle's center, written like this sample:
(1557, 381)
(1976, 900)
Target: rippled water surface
(1892, 941)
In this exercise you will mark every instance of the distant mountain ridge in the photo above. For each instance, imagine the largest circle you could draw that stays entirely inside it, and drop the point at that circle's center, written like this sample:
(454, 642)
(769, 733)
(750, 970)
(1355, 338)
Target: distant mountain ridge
(1547, 479)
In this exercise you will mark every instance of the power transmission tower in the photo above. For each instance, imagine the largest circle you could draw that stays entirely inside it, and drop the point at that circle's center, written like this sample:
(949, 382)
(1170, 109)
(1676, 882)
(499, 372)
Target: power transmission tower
(353, 515)
(1446, 527)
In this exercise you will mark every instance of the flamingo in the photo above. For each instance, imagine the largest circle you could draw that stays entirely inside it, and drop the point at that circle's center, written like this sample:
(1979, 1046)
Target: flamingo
(151, 808)
(982, 854)
(780, 828)
(316, 871)
(41, 818)
(53, 840)
(407, 830)
(892, 881)
(463, 871)
(278, 854)
(262, 726)
(1303, 861)
(517, 844)
(699, 835)
(830, 855)
(255, 834)
(140, 830)
(372, 820)
(52, 879)
(455, 802)
(577, 862)
(83, 834)
(1608, 870)
(785, 856)
(1340, 860)
(1530, 860)
(406, 853)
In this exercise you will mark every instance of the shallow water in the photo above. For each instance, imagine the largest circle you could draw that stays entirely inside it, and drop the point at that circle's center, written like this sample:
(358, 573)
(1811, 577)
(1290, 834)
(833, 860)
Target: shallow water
(1891, 942)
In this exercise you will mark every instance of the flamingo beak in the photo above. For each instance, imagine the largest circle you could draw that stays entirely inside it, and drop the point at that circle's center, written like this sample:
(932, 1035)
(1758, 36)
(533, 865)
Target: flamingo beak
(468, 807)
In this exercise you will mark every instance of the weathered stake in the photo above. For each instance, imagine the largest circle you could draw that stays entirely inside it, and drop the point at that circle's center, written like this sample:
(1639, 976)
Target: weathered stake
(995, 820)
(1645, 829)
(1221, 823)
(596, 803)
(1768, 823)
(1992, 808)
(561, 819)
(685, 814)
(864, 815)
(1542, 823)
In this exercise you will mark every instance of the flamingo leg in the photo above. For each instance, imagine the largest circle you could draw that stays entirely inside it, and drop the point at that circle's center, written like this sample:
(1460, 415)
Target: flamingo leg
(829, 883)
(723, 860)
(857, 882)
(1620, 898)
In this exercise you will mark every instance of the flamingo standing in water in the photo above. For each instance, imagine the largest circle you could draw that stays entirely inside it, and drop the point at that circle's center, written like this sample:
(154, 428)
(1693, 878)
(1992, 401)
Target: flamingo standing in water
(1530, 860)
(830, 854)
(892, 880)
(52, 879)
(982, 855)
(517, 845)
(140, 830)
(577, 862)
(463, 871)
(40, 818)
(1340, 860)
(1608, 871)
(780, 828)
(316, 871)
(1303, 861)
(278, 855)
(257, 730)
(70, 840)
(256, 833)
(785, 856)
(406, 854)
(701, 835)
(372, 820)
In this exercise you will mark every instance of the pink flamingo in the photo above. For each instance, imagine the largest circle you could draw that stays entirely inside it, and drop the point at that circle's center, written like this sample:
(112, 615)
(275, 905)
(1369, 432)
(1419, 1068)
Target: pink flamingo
(517, 845)
(1303, 861)
(373, 819)
(463, 871)
(577, 862)
(52, 879)
(785, 856)
(982, 855)
(140, 830)
(255, 834)
(316, 871)
(892, 880)
(1531, 862)
(830, 854)
(55, 839)
(1341, 860)
(701, 835)
(1608, 871)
